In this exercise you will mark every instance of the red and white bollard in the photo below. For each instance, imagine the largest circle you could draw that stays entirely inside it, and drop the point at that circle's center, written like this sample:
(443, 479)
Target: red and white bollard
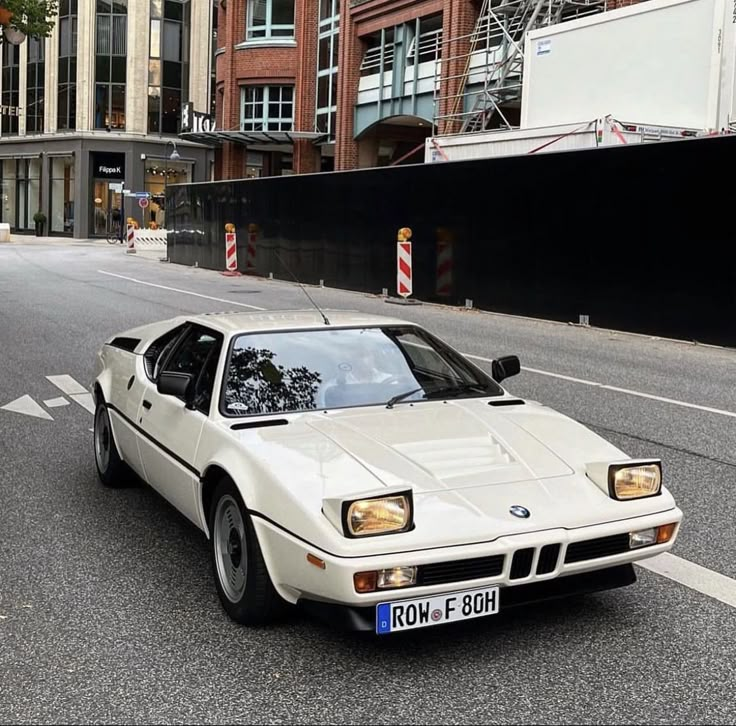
(250, 258)
(130, 249)
(231, 252)
(403, 263)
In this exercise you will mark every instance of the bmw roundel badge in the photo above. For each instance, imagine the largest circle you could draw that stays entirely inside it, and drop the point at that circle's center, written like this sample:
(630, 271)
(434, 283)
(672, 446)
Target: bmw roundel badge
(518, 511)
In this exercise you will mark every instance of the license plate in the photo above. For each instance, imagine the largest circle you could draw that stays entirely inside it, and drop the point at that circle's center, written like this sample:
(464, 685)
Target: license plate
(421, 612)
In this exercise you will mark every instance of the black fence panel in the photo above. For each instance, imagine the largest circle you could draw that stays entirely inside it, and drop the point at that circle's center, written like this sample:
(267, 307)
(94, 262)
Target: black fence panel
(639, 238)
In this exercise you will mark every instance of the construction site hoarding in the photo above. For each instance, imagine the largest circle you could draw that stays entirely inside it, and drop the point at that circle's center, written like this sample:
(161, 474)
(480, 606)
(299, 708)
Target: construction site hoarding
(666, 62)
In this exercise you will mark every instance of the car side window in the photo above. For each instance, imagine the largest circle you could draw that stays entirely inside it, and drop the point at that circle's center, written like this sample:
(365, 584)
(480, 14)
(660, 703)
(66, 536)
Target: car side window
(197, 355)
(206, 382)
(159, 349)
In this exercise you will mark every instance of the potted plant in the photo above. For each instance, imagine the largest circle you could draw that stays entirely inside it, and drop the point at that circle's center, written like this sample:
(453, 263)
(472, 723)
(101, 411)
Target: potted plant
(39, 219)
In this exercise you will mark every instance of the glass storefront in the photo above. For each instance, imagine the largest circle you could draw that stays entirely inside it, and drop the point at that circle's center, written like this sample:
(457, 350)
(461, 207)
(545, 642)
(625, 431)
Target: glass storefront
(108, 208)
(8, 213)
(158, 175)
(21, 192)
(61, 220)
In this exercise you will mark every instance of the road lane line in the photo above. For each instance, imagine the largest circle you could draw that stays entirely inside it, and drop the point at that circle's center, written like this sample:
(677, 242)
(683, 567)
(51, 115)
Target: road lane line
(183, 292)
(617, 389)
(696, 577)
(66, 384)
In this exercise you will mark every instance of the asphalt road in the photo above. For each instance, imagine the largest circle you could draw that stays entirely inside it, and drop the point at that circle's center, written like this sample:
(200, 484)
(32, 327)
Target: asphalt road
(108, 611)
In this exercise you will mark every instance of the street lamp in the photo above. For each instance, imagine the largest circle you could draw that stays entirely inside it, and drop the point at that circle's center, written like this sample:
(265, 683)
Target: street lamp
(13, 35)
(174, 157)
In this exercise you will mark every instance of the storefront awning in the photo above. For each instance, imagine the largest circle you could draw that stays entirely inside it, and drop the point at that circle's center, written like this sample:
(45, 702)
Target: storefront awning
(249, 138)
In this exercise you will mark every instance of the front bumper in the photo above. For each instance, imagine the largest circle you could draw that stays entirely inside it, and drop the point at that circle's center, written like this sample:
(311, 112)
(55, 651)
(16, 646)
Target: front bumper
(581, 550)
(363, 619)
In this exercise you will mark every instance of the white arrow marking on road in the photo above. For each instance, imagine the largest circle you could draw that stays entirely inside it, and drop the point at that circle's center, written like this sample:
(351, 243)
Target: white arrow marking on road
(56, 402)
(86, 400)
(75, 390)
(27, 406)
(67, 384)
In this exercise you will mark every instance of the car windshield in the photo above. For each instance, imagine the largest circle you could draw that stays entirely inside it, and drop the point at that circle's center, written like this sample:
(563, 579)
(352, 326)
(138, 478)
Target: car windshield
(343, 367)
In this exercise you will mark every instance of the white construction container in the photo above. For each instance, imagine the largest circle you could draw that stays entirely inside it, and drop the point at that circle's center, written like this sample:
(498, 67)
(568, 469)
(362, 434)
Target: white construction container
(667, 62)
(562, 137)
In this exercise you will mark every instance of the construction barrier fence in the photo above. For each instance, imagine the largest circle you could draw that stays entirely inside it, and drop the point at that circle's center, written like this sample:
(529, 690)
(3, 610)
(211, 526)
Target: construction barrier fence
(636, 238)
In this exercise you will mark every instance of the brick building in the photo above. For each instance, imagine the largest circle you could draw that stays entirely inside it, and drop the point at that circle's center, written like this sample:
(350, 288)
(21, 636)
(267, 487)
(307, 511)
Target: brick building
(313, 85)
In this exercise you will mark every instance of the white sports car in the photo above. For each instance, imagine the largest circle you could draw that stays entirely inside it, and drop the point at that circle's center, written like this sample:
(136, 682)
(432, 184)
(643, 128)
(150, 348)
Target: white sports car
(360, 467)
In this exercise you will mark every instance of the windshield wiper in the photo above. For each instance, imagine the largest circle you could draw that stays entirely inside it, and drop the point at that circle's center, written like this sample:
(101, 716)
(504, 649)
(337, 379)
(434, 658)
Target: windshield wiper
(391, 401)
(458, 388)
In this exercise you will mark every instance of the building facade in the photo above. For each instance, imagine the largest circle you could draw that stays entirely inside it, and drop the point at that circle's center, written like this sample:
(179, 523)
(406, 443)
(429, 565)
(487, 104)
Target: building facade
(312, 85)
(96, 109)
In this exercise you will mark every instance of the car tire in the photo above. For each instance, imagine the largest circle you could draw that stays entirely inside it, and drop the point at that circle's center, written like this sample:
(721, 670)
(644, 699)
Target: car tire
(241, 576)
(111, 469)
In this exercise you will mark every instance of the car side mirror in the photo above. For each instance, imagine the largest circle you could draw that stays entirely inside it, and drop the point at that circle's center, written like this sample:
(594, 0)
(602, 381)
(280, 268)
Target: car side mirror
(180, 385)
(505, 367)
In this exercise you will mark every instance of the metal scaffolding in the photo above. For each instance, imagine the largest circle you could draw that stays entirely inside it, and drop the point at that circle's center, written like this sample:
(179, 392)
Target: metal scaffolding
(483, 70)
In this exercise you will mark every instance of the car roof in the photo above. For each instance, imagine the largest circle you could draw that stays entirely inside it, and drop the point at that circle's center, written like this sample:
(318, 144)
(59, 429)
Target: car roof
(278, 320)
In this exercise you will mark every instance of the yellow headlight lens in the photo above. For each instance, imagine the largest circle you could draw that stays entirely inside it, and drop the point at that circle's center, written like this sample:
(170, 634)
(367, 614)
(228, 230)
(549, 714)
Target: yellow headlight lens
(635, 482)
(378, 516)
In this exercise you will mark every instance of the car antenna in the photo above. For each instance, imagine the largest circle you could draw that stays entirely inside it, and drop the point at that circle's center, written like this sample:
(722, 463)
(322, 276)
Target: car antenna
(304, 289)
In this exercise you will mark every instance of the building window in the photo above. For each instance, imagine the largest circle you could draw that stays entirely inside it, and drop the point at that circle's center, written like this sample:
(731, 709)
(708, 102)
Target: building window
(267, 108)
(11, 89)
(110, 63)
(61, 219)
(168, 66)
(327, 63)
(426, 42)
(268, 19)
(159, 174)
(66, 119)
(23, 201)
(379, 52)
(35, 86)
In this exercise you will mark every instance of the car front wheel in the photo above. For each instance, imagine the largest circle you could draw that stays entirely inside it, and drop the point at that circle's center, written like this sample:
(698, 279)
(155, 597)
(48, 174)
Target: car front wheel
(242, 580)
(110, 467)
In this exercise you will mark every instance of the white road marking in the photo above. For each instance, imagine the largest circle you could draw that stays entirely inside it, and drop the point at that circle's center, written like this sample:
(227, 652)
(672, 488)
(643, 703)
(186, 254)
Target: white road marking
(66, 384)
(28, 407)
(183, 292)
(56, 402)
(86, 400)
(617, 389)
(696, 577)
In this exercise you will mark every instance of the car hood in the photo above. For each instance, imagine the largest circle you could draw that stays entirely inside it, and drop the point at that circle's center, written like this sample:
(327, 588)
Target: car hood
(441, 447)
(466, 462)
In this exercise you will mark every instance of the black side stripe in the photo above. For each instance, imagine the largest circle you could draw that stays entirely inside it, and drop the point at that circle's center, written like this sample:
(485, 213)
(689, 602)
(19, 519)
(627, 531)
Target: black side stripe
(156, 443)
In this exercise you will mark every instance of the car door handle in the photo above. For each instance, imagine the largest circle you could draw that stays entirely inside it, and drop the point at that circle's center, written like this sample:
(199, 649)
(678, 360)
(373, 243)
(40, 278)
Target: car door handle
(147, 405)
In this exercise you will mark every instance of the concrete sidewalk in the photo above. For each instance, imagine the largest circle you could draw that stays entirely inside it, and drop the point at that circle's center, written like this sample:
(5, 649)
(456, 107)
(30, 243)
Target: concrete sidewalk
(142, 248)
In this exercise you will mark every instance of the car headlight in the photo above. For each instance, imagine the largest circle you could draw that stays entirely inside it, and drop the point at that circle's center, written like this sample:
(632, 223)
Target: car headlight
(629, 479)
(378, 515)
(635, 482)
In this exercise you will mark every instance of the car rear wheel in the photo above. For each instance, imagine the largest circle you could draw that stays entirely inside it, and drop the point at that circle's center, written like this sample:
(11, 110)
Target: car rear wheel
(241, 576)
(110, 467)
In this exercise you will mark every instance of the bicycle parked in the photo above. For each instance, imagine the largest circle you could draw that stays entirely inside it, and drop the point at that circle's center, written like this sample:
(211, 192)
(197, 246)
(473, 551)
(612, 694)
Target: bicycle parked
(116, 232)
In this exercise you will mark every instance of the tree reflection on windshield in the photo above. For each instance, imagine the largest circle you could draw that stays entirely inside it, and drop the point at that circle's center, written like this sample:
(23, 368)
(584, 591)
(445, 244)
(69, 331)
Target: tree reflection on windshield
(255, 384)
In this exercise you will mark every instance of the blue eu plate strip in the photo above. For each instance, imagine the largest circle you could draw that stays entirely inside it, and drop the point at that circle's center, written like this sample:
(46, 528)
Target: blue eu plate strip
(383, 619)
